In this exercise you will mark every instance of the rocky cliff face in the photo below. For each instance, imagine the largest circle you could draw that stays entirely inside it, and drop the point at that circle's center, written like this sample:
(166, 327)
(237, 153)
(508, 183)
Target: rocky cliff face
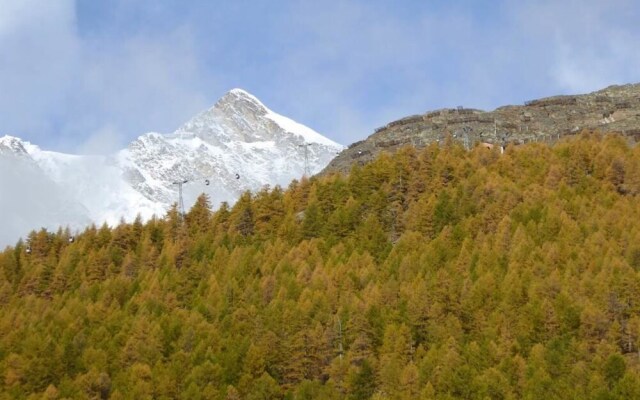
(614, 109)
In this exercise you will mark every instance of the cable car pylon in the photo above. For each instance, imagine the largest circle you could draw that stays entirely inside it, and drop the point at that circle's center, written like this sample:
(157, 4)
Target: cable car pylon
(306, 157)
(180, 199)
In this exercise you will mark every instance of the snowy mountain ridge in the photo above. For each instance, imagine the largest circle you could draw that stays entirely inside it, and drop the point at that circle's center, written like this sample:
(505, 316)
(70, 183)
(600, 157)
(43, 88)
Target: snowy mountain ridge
(238, 136)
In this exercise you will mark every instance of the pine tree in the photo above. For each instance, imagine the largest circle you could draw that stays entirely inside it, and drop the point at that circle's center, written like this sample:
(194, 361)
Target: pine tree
(198, 219)
(242, 216)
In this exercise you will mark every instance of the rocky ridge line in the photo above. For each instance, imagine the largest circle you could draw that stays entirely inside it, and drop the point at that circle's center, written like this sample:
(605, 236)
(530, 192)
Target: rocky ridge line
(613, 109)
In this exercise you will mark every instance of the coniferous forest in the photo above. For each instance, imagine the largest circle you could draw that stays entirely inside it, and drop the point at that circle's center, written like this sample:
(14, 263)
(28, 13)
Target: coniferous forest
(437, 273)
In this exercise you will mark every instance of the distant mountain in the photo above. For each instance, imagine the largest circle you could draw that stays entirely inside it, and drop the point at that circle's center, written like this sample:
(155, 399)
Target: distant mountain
(238, 135)
(236, 145)
(614, 109)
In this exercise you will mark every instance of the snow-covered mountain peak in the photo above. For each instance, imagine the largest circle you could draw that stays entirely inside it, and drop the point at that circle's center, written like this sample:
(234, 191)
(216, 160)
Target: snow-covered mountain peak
(8, 138)
(236, 145)
(12, 145)
(240, 95)
(238, 101)
(240, 117)
(238, 135)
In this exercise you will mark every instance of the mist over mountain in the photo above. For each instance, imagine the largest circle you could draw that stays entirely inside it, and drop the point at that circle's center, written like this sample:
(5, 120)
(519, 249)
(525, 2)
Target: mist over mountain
(236, 145)
(30, 199)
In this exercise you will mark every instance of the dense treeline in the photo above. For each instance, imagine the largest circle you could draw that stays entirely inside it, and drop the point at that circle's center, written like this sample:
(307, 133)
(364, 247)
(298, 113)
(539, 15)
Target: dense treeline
(434, 274)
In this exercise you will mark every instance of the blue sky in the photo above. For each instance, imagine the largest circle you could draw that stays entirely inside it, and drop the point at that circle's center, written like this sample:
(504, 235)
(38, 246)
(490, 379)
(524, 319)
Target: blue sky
(89, 76)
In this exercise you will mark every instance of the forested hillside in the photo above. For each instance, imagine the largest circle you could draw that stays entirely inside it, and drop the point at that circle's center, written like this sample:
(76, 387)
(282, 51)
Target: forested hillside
(432, 274)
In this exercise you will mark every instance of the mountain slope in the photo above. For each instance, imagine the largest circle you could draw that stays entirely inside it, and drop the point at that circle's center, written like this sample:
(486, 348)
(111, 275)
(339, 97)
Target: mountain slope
(236, 145)
(431, 274)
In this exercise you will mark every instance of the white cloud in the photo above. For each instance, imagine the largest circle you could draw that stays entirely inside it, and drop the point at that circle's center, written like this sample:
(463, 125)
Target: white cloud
(38, 57)
(30, 200)
(587, 44)
(34, 14)
(57, 83)
(104, 141)
(351, 54)
(145, 84)
(342, 67)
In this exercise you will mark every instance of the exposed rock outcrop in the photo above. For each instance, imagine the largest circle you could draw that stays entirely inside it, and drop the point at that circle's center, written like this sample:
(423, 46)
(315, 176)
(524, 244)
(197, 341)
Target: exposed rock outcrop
(614, 109)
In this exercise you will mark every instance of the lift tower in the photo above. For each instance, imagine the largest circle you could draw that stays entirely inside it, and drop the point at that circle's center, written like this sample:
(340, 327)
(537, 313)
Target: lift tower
(180, 200)
(306, 157)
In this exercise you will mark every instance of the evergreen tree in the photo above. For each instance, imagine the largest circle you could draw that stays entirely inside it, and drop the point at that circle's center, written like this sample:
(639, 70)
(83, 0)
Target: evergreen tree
(433, 273)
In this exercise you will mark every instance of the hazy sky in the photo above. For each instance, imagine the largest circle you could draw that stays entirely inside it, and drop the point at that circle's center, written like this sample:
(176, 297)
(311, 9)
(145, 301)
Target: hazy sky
(89, 76)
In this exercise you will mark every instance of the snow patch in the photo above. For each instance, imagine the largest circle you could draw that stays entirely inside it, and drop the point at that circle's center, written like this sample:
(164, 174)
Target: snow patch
(308, 134)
